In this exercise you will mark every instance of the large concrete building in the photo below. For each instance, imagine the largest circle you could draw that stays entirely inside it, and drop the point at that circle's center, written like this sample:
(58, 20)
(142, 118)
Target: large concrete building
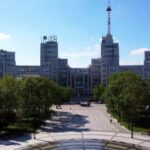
(82, 80)
(49, 56)
(79, 80)
(109, 58)
(95, 73)
(7, 63)
(109, 53)
(147, 65)
(63, 72)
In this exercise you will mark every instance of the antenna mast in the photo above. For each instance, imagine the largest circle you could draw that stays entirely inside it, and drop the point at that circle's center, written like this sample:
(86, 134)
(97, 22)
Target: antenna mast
(109, 17)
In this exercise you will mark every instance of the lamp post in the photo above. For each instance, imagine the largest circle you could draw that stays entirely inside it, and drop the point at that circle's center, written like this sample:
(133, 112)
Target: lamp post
(132, 128)
(34, 123)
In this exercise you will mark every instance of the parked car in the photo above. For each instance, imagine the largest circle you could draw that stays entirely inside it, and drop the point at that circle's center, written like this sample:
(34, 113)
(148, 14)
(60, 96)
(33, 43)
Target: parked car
(86, 104)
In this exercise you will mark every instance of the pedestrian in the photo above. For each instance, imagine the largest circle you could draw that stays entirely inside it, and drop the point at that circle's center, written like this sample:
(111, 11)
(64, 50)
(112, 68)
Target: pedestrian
(110, 120)
(70, 107)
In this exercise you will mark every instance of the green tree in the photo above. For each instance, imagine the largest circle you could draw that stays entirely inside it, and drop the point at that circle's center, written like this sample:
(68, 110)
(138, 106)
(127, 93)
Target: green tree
(8, 100)
(125, 95)
(98, 92)
(37, 97)
(66, 94)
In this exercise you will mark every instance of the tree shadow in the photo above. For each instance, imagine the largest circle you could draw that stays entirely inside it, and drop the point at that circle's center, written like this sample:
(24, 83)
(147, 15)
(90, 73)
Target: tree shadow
(8, 143)
(24, 138)
(66, 122)
(15, 141)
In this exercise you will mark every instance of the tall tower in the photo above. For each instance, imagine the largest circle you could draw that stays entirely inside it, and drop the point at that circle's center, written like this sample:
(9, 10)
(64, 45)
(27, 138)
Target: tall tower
(109, 52)
(109, 17)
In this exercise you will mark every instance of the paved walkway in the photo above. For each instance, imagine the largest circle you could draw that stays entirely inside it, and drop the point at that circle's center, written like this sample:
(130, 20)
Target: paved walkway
(42, 138)
(77, 118)
(79, 123)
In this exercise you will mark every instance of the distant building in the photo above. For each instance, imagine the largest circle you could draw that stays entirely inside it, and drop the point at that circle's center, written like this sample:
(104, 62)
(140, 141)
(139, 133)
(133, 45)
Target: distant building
(79, 80)
(137, 69)
(49, 56)
(147, 65)
(109, 53)
(7, 63)
(63, 70)
(109, 58)
(28, 71)
(95, 72)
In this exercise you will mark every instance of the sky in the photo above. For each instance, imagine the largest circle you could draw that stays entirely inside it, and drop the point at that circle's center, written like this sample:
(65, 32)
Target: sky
(79, 26)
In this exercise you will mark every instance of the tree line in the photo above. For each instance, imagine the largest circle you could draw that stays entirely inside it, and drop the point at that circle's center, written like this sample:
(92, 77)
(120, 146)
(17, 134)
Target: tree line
(127, 96)
(29, 99)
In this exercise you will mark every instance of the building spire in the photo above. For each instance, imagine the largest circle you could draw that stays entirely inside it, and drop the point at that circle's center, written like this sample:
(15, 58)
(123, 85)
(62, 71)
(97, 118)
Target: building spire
(109, 17)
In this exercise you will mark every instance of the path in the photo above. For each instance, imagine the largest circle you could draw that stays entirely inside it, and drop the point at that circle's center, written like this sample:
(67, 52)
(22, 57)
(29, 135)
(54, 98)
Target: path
(78, 118)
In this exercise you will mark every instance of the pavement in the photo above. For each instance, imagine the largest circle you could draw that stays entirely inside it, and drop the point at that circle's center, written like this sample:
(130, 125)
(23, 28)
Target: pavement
(74, 122)
(77, 118)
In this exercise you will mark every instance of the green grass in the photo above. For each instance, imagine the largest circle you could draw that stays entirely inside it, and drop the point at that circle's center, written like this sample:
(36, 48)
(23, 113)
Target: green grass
(142, 130)
(135, 128)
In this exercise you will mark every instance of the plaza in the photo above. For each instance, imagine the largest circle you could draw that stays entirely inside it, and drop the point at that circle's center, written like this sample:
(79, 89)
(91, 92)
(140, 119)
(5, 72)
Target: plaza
(77, 118)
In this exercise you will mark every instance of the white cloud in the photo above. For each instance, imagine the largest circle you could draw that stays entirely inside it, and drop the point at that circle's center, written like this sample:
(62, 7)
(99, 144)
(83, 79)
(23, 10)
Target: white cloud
(81, 58)
(89, 51)
(88, 48)
(138, 52)
(4, 36)
(100, 40)
(115, 39)
(131, 62)
(97, 46)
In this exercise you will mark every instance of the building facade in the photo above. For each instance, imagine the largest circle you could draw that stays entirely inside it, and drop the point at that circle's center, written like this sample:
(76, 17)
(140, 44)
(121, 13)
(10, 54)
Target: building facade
(79, 80)
(63, 72)
(109, 53)
(109, 58)
(95, 73)
(49, 56)
(147, 65)
(7, 63)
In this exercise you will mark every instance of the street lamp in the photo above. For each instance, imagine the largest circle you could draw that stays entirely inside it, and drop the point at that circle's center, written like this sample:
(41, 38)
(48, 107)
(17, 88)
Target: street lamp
(132, 129)
(34, 123)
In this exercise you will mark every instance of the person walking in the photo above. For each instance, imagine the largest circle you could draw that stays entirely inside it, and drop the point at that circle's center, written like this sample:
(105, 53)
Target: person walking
(110, 120)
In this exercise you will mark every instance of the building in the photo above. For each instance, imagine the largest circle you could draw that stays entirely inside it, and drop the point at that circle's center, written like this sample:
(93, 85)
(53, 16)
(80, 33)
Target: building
(63, 71)
(79, 80)
(49, 56)
(95, 73)
(109, 58)
(137, 69)
(7, 63)
(109, 53)
(147, 65)
(28, 71)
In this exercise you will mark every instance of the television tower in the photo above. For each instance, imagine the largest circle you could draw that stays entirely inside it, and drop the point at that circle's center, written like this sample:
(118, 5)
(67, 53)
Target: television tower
(109, 17)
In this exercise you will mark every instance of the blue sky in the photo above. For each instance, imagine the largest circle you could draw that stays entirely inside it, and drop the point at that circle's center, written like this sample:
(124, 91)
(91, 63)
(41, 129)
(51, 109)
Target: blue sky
(79, 26)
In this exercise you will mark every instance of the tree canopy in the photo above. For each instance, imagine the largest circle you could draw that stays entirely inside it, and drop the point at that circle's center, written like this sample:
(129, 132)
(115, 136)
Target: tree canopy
(29, 98)
(128, 96)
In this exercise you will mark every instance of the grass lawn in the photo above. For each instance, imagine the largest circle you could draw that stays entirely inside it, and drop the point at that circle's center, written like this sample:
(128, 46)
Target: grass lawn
(141, 130)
